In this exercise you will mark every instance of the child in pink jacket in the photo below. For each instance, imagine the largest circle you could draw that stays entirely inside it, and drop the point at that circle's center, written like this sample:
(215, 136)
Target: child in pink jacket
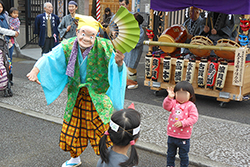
(183, 115)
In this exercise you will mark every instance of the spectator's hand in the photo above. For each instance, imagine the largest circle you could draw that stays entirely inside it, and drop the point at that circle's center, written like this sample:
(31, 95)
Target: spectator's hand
(178, 124)
(213, 31)
(170, 91)
(16, 34)
(68, 28)
(32, 75)
(206, 29)
(12, 28)
(76, 22)
(119, 56)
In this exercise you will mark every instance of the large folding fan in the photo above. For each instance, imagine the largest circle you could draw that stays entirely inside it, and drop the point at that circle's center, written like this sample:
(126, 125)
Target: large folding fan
(123, 30)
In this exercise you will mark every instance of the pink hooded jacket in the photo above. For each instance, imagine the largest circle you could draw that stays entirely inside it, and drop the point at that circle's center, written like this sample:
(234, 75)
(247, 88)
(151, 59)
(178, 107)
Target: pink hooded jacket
(186, 113)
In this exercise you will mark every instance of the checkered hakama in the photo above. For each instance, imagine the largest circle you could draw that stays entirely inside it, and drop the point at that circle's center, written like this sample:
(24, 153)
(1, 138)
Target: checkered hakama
(85, 124)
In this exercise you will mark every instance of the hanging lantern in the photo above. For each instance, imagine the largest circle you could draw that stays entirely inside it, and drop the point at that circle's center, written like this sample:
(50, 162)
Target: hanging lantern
(190, 71)
(166, 69)
(156, 66)
(212, 72)
(202, 71)
(221, 75)
(148, 65)
(179, 66)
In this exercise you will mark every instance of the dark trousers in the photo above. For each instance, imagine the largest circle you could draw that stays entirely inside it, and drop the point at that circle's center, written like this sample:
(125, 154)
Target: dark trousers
(183, 145)
(48, 44)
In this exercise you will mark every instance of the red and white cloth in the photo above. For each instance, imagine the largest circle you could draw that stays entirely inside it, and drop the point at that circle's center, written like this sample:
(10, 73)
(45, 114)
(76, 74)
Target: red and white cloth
(98, 10)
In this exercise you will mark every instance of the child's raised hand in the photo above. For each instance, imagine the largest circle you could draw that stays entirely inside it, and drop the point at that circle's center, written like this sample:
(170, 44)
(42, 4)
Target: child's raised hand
(170, 91)
(178, 124)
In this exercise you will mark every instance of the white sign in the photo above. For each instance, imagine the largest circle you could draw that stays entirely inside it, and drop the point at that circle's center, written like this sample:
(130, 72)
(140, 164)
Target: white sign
(239, 66)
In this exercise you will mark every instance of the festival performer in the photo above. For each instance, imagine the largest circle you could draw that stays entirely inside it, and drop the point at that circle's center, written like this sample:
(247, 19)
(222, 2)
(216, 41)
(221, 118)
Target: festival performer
(183, 115)
(218, 26)
(124, 131)
(133, 57)
(194, 25)
(96, 78)
(67, 27)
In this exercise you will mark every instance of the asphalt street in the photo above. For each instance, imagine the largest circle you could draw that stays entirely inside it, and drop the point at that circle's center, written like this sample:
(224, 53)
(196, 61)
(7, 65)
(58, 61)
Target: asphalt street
(31, 142)
(209, 145)
(208, 106)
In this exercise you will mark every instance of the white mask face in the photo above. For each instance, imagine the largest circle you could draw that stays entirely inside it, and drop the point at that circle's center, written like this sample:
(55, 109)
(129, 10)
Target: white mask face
(86, 36)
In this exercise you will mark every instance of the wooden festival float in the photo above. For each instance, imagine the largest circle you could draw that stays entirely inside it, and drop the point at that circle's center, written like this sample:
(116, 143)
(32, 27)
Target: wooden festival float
(228, 79)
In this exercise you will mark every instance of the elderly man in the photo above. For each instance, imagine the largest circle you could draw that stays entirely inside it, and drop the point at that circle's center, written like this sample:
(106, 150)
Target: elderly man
(96, 78)
(46, 25)
(67, 27)
(194, 25)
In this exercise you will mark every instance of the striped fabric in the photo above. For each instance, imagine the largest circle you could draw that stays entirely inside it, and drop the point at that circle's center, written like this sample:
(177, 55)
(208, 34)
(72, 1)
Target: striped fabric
(85, 124)
(3, 73)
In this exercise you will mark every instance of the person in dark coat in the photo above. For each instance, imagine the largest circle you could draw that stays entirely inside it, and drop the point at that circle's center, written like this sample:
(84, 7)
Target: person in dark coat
(218, 26)
(46, 26)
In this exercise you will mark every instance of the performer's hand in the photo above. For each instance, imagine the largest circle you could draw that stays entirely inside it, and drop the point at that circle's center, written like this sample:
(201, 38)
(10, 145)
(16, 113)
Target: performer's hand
(236, 39)
(178, 124)
(206, 29)
(170, 91)
(32, 75)
(76, 22)
(68, 28)
(119, 56)
(189, 36)
(213, 31)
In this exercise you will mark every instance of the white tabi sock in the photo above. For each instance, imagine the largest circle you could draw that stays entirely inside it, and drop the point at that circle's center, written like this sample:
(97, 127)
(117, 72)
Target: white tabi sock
(76, 160)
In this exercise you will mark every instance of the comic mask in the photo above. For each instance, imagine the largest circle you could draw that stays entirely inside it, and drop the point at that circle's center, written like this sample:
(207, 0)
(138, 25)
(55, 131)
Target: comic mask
(244, 24)
(86, 36)
(243, 39)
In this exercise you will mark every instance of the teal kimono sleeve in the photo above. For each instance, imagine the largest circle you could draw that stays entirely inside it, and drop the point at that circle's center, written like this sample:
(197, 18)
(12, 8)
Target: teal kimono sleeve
(52, 73)
(117, 83)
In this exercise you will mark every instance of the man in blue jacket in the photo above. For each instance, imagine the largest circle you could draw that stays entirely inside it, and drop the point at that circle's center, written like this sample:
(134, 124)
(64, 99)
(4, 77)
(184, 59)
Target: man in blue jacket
(46, 25)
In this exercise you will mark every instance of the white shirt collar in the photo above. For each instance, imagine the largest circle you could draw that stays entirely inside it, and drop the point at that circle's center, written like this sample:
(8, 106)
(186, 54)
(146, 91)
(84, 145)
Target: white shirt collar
(47, 16)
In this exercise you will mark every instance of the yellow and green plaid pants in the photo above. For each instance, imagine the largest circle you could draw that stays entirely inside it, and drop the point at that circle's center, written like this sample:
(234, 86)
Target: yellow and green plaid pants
(85, 124)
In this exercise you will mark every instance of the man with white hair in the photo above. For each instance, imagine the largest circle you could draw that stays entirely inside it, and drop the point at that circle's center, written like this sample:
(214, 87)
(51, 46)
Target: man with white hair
(46, 25)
